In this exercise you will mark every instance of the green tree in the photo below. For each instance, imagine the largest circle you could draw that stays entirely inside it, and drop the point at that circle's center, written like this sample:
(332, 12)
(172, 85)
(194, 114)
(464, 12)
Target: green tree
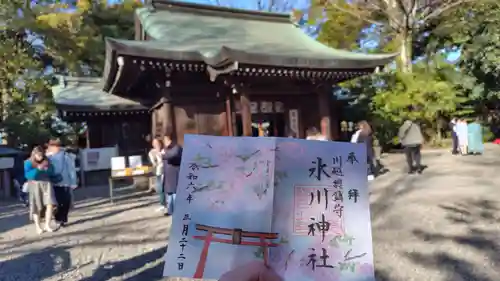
(403, 20)
(75, 39)
(476, 31)
(430, 88)
(333, 31)
(69, 37)
(22, 80)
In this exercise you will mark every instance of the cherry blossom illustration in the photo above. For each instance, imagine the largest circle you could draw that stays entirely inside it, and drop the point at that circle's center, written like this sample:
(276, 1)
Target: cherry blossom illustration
(249, 174)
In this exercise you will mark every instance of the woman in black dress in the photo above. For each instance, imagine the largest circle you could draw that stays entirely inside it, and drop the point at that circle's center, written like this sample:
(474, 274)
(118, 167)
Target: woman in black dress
(171, 155)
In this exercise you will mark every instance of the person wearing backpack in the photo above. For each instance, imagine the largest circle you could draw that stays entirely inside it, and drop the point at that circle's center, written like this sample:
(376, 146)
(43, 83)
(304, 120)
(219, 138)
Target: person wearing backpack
(411, 138)
(64, 179)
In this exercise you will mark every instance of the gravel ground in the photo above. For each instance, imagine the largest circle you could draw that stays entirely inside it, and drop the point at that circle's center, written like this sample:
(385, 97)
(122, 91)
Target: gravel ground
(443, 225)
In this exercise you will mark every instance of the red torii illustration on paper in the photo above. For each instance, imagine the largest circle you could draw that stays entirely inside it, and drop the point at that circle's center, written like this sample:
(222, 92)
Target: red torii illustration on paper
(237, 235)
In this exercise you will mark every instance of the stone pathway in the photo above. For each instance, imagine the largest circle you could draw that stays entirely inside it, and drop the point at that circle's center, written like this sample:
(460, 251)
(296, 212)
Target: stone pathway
(443, 225)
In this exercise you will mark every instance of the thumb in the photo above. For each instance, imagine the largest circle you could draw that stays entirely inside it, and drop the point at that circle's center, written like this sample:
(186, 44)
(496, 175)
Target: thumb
(268, 274)
(242, 273)
(248, 272)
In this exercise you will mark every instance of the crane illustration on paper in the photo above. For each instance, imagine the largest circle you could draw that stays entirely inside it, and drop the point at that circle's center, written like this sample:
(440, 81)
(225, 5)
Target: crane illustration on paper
(211, 185)
(260, 189)
(246, 157)
(204, 162)
(247, 172)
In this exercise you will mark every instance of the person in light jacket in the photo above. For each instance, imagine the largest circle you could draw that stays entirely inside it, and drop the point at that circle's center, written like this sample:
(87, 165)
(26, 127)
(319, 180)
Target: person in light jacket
(66, 181)
(463, 134)
(155, 157)
(172, 155)
(411, 138)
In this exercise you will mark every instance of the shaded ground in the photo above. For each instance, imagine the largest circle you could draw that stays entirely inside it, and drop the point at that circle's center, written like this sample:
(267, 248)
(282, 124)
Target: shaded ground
(443, 225)
(123, 241)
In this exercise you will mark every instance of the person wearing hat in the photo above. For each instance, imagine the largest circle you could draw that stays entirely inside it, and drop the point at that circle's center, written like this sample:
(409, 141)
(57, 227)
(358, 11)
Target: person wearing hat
(64, 179)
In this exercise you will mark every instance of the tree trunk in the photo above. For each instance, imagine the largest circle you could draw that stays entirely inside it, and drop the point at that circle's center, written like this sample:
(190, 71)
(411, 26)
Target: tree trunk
(439, 129)
(406, 52)
(3, 115)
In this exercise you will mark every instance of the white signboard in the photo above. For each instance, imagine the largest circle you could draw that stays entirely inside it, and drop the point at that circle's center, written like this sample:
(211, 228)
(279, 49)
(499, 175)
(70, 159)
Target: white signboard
(135, 161)
(266, 107)
(118, 163)
(95, 159)
(6, 163)
(279, 107)
(254, 107)
(293, 115)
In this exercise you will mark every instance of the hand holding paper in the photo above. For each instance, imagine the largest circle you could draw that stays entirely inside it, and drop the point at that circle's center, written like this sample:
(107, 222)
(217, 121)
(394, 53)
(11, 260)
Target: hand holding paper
(300, 207)
(253, 271)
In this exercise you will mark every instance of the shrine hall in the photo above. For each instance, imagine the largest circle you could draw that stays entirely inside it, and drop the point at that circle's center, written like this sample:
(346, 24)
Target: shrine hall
(210, 70)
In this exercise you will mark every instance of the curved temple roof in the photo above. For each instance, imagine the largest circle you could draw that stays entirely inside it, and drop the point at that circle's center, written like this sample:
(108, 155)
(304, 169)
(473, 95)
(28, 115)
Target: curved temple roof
(86, 94)
(217, 36)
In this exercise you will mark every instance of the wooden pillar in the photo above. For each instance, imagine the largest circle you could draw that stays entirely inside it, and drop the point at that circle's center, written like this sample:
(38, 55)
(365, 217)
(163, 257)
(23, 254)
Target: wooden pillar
(324, 99)
(246, 114)
(87, 137)
(95, 133)
(231, 124)
(173, 127)
(166, 111)
(162, 119)
(335, 119)
(154, 118)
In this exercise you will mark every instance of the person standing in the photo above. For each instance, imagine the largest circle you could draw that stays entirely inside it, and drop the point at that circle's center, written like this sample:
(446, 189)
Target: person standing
(155, 157)
(63, 181)
(454, 136)
(463, 136)
(38, 170)
(172, 155)
(355, 135)
(314, 134)
(365, 136)
(475, 137)
(411, 138)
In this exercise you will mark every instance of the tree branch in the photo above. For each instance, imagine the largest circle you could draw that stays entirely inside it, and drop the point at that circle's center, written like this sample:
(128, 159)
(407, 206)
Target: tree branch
(402, 7)
(441, 9)
(356, 15)
(394, 22)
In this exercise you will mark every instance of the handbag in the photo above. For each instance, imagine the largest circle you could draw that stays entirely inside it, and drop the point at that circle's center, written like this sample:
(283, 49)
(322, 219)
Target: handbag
(25, 187)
